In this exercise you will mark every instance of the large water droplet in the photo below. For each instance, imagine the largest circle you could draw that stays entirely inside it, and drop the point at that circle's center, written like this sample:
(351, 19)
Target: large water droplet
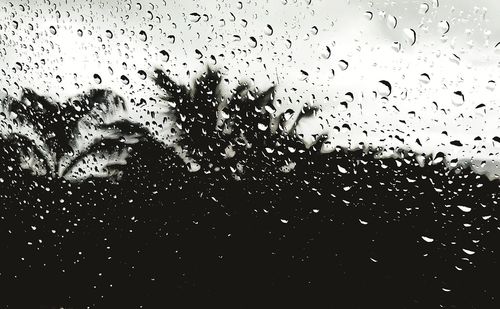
(384, 88)
(410, 36)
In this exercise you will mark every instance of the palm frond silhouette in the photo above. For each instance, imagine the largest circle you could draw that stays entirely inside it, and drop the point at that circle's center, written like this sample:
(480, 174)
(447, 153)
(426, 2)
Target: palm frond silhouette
(85, 129)
(234, 135)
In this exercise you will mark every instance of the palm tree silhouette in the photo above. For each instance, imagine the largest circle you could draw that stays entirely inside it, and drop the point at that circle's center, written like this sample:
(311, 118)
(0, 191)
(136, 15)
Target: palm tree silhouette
(83, 130)
(234, 135)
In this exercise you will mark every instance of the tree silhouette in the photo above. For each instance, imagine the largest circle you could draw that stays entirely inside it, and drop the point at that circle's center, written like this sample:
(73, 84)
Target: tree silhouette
(86, 128)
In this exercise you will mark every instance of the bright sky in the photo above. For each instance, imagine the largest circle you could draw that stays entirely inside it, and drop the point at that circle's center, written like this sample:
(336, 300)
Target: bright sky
(431, 52)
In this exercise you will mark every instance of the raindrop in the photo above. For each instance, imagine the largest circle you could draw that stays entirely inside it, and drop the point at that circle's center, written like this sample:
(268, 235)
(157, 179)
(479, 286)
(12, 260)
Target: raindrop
(424, 8)
(368, 15)
(427, 239)
(253, 42)
(458, 98)
(59, 78)
(443, 27)
(125, 80)
(396, 46)
(171, 39)
(288, 114)
(469, 252)
(410, 36)
(194, 17)
(327, 53)
(384, 88)
(314, 30)
(391, 21)
(165, 56)
(79, 32)
(491, 85)
(109, 34)
(497, 48)
(97, 79)
(52, 30)
(424, 78)
(343, 65)
(464, 208)
(142, 74)
(143, 36)
(304, 74)
(198, 53)
(269, 30)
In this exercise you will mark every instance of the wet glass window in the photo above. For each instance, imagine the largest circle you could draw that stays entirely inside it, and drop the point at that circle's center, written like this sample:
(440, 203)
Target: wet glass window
(168, 153)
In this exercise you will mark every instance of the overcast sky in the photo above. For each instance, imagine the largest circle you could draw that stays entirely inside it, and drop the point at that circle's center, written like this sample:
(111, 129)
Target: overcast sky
(438, 56)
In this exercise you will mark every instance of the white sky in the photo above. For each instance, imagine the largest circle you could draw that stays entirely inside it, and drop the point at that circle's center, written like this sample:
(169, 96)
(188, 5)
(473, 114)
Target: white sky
(302, 31)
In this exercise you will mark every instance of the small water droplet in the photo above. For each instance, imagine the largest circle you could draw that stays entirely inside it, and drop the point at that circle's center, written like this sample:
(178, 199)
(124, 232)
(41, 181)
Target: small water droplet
(443, 27)
(458, 98)
(343, 65)
(143, 36)
(109, 34)
(52, 30)
(410, 36)
(165, 55)
(97, 79)
(391, 21)
(142, 74)
(269, 30)
(125, 80)
(253, 42)
(427, 239)
(464, 208)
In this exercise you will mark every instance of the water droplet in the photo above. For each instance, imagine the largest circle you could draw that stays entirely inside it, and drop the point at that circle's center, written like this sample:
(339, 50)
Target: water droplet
(125, 80)
(391, 21)
(52, 30)
(142, 74)
(97, 79)
(343, 65)
(288, 114)
(165, 55)
(143, 36)
(253, 42)
(443, 27)
(396, 46)
(59, 78)
(368, 15)
(384, 88)
(198, 53)
(423, 9)
(304, 75)
(194, 17)
(424, 78)
(491, 85)
(458, 98)
(269, 30)
(410, 36)
(464, 208)
(427, 239)
(327, 53)
(469, 252)
(79, 32)
(109, 34)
